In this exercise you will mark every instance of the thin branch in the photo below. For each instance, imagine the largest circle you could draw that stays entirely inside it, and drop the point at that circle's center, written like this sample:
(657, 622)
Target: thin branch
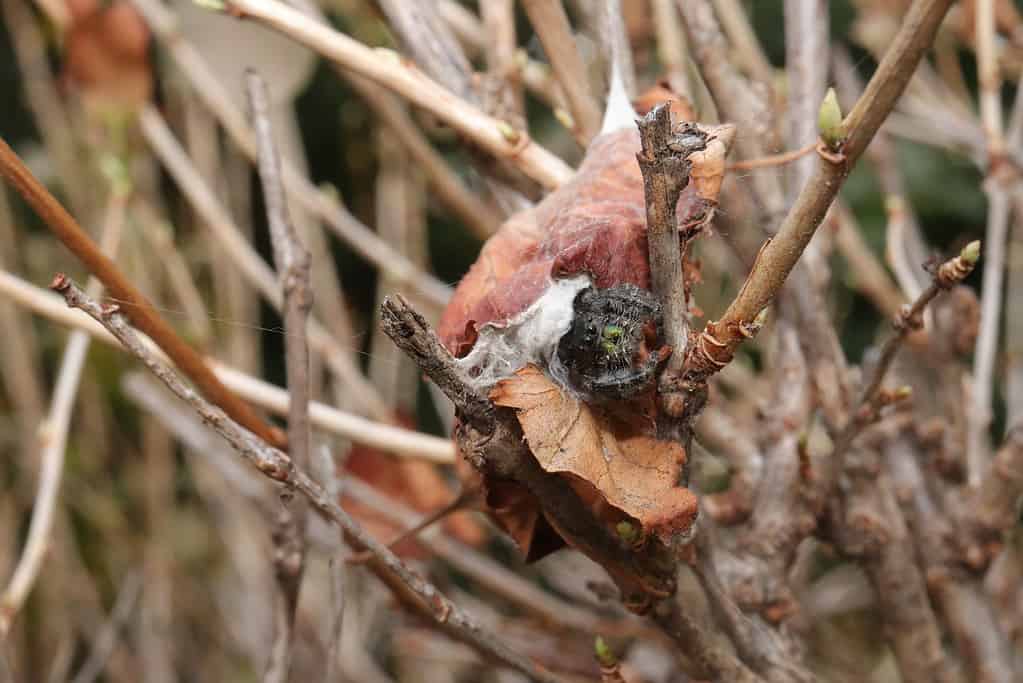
(665, 166)
(869, 275)
(994, 507)
(737, 101)
(277, 466)
(550, 22)
(137, 306)
(317, 202)
(53, 437)
(106, 639)
(389, 70)
(434, 48)
(875, 532)
(384, 437)
(990, 79)
(979, 415)
(163, 143)
(950, 273)
(718, 342)
(806, 63)
(772, 159)
(293, 266)
(482, 220)
(748, 50)
(671, 46)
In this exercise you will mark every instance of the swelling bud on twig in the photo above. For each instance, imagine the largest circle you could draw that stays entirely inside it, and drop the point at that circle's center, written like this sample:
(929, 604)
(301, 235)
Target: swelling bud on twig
(955, 270)
(603, 653)
(971, 253)
(829, 121)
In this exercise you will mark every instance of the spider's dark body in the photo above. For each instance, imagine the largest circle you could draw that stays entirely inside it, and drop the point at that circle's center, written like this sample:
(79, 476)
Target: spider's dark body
(612, 350)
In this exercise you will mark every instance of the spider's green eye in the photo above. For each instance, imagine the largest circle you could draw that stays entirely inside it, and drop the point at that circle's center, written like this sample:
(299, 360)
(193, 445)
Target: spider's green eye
(611, 338)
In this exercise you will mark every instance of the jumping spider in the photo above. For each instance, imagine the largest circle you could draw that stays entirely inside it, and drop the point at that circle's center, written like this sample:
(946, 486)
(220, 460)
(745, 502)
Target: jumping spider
(613, 349)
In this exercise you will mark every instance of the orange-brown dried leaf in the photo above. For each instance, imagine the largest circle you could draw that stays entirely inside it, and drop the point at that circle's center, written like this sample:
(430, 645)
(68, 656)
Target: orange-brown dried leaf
(106, 54)
(633, 471)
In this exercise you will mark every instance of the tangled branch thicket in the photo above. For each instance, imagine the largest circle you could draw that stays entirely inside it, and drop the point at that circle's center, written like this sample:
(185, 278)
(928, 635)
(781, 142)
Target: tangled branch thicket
(799, 459)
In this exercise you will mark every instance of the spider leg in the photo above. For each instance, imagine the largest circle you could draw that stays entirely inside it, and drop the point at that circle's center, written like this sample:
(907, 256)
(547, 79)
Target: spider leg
(629, 381)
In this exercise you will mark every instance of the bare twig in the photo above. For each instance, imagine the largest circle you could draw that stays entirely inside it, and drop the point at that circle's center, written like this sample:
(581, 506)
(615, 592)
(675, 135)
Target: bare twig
(806, 61)
(346, 425)
(671, 46)
(979, 415)
(321, 204)
(388, 70)
(773, 159)
(550, 22)
(106, 639)
(749, 54)
(778, 256)
(990, 79)
(875, 532)
(137, 307)
(435, 48)
(293, 264)
(277, 466)
(909, 319)
(251, 264)
(665, 166)
(53, 436)
(480, 219)
(994, 508)
(737, 100)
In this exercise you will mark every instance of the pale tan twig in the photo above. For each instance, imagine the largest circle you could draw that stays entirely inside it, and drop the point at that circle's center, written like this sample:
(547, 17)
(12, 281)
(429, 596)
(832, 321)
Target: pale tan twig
(293, 263)
(989, 77)
(749, 53)
(19, 350)
(978, 442)
(321, 204)
(427, 37)
(1014, 318)
(772, 159)
(161, 140)
(142, 312)
(737, 101)
(277, 466)
(482, 220)
(868, 274)
(671, 46)
(550, 22)
(106, 639)
(806, 63)
(501, 52)
(979, 415)
(909, 319)
(53, 436)
(181, 284)
(401, 219)
(384, 437)
(389, 70)
(779, 256)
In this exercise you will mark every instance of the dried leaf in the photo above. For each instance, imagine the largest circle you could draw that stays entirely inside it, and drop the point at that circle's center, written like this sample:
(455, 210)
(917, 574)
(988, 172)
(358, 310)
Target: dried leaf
(594, 224)
(106, 54)
(633, 471)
